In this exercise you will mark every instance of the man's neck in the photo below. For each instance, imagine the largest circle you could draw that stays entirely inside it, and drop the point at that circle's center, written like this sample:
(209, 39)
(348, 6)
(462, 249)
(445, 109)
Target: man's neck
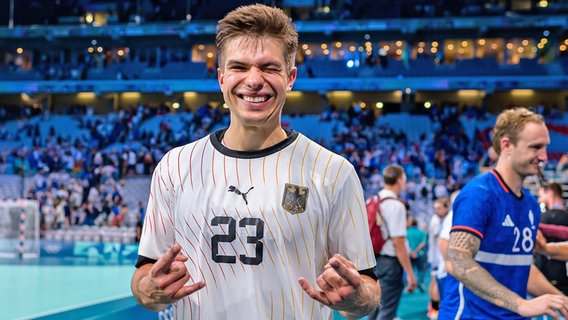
(392, 188)
(252, 139)
(557, 204)
(513, 180)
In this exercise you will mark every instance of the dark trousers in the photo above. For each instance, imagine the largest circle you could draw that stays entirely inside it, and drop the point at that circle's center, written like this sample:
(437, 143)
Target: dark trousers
(390, 274)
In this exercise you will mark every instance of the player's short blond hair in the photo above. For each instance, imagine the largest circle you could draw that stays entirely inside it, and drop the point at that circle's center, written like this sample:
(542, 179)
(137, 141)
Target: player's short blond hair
(510, 123)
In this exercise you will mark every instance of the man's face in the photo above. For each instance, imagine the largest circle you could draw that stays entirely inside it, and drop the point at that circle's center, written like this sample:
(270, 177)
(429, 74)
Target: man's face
(529, 150)
(440, 210)
(254, 81)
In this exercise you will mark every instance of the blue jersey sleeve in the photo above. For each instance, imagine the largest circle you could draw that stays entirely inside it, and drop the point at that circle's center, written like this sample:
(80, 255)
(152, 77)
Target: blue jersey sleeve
(472, 210)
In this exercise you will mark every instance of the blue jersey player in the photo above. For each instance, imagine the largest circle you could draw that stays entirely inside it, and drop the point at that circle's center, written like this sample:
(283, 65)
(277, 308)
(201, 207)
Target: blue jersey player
(490, 251)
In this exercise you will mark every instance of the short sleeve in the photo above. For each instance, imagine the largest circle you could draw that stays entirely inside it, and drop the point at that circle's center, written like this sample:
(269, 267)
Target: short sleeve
(471, 211)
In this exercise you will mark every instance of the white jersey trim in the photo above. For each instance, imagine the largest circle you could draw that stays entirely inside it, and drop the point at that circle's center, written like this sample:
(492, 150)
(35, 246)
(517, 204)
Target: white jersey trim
(504, 259)
(462, 302)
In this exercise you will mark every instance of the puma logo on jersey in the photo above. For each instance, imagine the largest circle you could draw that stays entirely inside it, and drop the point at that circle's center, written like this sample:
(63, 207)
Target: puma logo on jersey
(239, 192)
(508, 222)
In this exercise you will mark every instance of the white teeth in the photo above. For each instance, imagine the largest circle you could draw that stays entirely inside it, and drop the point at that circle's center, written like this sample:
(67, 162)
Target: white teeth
(254, 99)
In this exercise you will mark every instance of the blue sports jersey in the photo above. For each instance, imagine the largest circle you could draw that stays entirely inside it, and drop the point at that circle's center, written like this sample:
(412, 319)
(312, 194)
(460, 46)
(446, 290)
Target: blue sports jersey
(506, 225)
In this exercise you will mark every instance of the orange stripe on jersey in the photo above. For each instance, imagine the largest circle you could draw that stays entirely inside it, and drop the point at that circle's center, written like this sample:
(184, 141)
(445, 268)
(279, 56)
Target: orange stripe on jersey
(169, 171)
(209, 244)
(303, 160)
(315, 162)
(232, 245)
(293, 302)
(162, 218)
(276, 167)
(190, 258)
(293, 238)
(313, 308)
(282, 304)
(468, 229)
(351, 216)
(500, 181)
(206, 258)
(267, 225)
(179, 167)
(265, 247)
(336, 178)
(305, 242)
(282, 232)
(290, 163)
(202, 166)
(191, 166)
(325, 171)
(245, 247)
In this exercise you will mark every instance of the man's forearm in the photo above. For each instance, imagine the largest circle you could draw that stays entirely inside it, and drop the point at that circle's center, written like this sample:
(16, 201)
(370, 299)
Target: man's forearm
(366, 302)
(539, 285)
(402, 255)
(464, 268)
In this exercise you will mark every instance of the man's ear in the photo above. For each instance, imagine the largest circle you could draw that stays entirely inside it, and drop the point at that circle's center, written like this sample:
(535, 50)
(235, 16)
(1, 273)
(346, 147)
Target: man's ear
(292, 78)
(506, 144)
(219, 76)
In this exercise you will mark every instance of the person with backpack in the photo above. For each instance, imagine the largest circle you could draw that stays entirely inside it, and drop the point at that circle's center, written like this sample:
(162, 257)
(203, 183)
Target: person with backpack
(393, 259)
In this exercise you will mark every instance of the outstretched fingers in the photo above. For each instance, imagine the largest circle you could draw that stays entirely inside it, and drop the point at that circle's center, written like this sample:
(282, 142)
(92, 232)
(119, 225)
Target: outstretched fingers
(163, 264)
(313, 293)
(346, 270)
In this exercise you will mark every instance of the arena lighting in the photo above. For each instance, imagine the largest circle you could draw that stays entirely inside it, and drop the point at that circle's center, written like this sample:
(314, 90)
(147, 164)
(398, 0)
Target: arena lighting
(85, 95)
(350, 64)
(89, 18)
(522, 92)
(379, 105)
(467, 93)
(341, 94)
(175, 105)
(427, 105)
(131, 95)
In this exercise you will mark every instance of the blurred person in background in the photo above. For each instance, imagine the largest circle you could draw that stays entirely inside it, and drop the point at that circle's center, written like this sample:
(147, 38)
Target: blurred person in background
(494, 227)
(556, 215)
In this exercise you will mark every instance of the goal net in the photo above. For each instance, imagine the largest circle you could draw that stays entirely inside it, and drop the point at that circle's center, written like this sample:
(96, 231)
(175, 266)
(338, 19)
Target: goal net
(19, 229)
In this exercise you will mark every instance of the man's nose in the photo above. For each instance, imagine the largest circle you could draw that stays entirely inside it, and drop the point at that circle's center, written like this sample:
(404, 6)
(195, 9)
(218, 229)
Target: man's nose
(254, 78)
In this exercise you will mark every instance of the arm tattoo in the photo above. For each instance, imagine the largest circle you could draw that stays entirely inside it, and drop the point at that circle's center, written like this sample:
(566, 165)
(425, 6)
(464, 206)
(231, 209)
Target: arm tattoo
(462, 247)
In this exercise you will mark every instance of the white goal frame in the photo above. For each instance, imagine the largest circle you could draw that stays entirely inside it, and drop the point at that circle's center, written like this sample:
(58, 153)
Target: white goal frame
(19, 229)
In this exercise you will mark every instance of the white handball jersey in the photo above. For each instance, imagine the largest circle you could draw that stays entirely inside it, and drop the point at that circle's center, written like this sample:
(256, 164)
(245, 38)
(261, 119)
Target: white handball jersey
(252, 223)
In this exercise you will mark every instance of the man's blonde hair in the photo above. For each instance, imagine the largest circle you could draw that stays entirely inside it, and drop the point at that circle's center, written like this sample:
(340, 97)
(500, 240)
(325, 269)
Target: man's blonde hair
(510, 123)
(254, 21)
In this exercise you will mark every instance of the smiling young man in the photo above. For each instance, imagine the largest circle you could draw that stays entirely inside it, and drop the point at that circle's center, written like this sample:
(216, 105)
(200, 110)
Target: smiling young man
(255, 221)
(495, 222)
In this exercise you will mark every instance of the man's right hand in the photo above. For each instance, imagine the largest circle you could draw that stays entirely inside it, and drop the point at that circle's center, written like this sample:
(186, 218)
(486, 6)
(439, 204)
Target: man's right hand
(547, 304)
(157, 286)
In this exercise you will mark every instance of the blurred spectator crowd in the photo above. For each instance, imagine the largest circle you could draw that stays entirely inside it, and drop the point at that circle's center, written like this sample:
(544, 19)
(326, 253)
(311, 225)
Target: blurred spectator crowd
(79, 179)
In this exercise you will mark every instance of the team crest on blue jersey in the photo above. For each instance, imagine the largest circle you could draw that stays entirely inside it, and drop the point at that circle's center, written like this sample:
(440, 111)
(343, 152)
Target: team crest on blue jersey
(295, 198)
